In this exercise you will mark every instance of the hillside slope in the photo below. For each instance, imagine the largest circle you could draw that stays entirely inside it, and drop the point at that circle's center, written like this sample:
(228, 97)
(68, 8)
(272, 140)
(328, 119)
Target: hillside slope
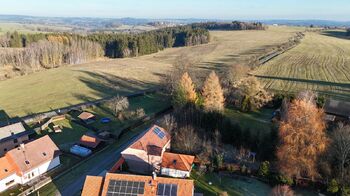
(320, 63)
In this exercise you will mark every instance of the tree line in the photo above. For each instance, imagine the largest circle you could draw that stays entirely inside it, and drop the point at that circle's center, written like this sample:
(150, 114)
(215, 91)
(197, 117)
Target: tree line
(348, 32)
(26, 53)
(46, 54)
(131, 45)
(235, 25)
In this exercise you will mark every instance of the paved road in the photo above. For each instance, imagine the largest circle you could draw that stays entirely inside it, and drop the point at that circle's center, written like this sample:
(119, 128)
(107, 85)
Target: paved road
(105, 164)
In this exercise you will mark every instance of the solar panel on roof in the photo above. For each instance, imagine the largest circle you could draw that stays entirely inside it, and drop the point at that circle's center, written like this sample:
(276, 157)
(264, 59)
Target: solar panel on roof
(128, 188)
(167, 190)
(159, 133)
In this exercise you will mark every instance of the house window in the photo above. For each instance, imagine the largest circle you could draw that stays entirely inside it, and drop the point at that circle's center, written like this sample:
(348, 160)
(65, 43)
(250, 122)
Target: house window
(27, 162)
(9, 182)
(44, 153)
(15, 141)
(32, 174)
(5, 149)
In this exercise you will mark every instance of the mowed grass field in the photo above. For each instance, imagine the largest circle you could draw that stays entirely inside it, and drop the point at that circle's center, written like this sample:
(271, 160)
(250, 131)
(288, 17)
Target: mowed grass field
(320, 63)
(64, 86)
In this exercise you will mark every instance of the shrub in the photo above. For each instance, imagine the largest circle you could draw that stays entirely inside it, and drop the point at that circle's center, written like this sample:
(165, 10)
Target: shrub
(264, 169)
(281, 179)
(333, 186)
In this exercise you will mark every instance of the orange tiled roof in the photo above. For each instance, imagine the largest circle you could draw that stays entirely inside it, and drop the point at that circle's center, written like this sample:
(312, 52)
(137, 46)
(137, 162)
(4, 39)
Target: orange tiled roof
(33, 154)
(86, 115)
(6, 168)
(150, 142)
(177, 161)
(89, 141)
(92, 186)
(184, 187)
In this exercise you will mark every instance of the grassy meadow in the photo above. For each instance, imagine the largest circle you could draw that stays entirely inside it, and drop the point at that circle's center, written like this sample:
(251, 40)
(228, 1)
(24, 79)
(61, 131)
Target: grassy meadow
(64, 86)
(320, 63)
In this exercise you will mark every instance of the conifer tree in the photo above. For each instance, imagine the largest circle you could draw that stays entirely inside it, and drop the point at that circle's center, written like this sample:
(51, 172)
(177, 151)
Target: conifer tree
(213, 95)
(188, 87)
(302, 140)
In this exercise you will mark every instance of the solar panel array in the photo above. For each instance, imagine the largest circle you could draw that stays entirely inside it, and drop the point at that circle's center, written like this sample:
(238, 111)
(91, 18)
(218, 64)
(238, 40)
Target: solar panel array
(159, 133)
(127, 188)
(167, 190)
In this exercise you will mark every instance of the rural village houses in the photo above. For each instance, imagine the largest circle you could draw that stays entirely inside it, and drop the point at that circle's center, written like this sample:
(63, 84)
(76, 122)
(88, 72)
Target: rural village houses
(147, 155)
(28, 161)
(11, 136)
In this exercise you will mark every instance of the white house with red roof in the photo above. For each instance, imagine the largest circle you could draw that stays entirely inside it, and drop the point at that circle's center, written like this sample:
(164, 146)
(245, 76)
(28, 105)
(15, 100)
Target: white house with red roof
(145, 154)
(176, 165)
(27, 162)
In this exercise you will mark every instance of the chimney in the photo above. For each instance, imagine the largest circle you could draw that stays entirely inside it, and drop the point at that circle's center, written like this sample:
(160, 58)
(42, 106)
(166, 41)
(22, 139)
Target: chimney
(154, 175)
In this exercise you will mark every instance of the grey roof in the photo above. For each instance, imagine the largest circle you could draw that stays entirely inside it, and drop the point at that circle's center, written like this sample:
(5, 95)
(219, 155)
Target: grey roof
(12, 131)
(337, 108)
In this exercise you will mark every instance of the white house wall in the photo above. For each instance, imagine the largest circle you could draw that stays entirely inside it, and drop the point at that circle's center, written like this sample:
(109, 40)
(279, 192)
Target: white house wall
(174, 173)
(30, 175)
(3, 182)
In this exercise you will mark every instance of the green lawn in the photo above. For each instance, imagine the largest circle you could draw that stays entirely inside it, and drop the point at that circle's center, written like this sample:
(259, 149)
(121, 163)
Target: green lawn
(233, 187)
(151, 103)
(255, 121)
(51, 188)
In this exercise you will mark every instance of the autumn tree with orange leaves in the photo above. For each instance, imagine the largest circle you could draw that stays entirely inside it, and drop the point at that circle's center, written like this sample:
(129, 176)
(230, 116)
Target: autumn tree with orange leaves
(302, 139)
(213, 95)
(185, 92)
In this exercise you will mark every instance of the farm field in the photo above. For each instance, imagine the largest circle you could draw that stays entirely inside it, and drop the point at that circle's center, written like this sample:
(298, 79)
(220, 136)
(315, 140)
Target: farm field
(64, 86)
(320, 63)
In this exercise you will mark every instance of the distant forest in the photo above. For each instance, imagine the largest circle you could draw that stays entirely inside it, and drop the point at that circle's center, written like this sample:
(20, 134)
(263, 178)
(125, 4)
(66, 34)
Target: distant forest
(26, 53)
(348, 32)
(130, 45)
(235, 25)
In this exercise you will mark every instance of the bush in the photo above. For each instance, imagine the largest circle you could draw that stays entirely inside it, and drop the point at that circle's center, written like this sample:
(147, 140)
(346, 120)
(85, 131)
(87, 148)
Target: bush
(281, 179)
(264, 169)
(333, 186)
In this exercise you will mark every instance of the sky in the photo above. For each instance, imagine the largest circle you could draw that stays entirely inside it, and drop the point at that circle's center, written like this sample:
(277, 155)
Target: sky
(204, 9)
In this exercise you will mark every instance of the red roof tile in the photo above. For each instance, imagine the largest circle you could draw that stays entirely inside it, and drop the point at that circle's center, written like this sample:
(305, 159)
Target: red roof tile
(184, 187)
(86, 115)
(177, 161)
(151, 142)
(32, 154)
(89, 141)
(92, 186)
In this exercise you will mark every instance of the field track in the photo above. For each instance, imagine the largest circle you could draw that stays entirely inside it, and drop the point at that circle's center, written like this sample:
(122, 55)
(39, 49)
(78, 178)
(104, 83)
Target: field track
(320, 63)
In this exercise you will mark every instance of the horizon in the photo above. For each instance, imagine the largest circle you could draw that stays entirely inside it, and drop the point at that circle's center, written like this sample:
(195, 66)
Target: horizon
(194, 9)
(208, 19)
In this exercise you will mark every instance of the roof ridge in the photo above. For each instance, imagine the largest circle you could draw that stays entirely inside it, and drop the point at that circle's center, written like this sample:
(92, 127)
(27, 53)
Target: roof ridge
(184, 161)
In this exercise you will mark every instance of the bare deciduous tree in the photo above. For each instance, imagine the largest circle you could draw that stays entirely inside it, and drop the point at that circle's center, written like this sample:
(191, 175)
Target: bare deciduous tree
(341, 149)
(119, 104)
(187, 140)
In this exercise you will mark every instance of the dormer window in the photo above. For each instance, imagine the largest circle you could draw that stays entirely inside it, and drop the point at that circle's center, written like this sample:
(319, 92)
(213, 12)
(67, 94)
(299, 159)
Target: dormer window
(15, 141)
(27, 162)
(44, 153)
(6, 170)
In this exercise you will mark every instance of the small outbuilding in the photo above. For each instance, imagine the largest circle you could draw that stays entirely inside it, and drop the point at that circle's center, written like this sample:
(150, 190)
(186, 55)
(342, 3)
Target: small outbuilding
(87, 117)
(80, 151)
(89, 141)
(337, 109)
